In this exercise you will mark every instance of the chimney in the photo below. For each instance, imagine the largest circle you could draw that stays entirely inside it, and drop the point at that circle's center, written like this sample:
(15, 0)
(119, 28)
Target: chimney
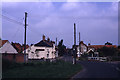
(88, 44)
(43, 37)
(56, 41)
(79, 37)
(81, 42)
(48, 39)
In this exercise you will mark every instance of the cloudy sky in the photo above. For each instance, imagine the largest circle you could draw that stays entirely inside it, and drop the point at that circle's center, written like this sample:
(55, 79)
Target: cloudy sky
(96, 21)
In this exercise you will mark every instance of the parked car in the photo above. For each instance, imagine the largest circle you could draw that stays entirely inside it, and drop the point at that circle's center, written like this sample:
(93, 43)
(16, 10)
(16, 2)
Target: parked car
(102, 58)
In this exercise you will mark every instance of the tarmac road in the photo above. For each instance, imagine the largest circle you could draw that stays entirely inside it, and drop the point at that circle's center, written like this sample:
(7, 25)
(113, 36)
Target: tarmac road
(94, 69)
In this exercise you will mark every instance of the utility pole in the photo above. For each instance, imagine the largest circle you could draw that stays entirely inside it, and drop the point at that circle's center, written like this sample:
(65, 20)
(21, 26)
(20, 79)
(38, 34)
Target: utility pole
(56, 41)
(74, 46)
(79, 43)
(25, 38)
(74, 34)
(79, 37)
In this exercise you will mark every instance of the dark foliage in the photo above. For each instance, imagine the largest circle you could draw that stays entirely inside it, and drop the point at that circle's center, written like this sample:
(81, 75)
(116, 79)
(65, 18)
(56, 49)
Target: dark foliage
(61, 48)
(108, 43)
(105, 51)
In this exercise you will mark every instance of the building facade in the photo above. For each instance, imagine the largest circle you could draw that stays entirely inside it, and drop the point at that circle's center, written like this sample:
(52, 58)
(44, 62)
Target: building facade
(81, 49)
(44, 49)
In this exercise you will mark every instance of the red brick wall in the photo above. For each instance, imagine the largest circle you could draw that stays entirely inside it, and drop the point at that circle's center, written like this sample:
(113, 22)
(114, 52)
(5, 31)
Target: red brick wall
(14, 57)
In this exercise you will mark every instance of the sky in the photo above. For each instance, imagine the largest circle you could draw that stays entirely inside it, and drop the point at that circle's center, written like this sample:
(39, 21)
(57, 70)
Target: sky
(97, 22)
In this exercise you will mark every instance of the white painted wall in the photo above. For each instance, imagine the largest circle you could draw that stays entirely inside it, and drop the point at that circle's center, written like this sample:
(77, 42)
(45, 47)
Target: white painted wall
(8, 48)
(32, 54)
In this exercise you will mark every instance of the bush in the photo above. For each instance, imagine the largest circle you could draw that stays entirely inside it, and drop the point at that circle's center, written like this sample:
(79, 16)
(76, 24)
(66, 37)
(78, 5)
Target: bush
(105, 51)
(115, 58)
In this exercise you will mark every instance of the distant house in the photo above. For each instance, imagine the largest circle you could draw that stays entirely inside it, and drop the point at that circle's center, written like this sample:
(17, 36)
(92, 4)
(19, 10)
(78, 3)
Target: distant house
(43, 49)
(23, 47)
(94, 55)
(6, 47)
(19, 47)
(81, 48)
(96, 47)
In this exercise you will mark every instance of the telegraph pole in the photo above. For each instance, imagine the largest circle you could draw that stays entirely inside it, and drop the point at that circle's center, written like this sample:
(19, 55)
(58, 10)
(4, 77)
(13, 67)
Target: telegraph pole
(25, 37)
(79, 43)
(79, 37)
(74, 34)
(74, 46)
(56, 41)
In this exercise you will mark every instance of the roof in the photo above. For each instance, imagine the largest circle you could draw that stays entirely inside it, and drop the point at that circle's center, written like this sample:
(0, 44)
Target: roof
(19, 47)
(2, 42)
(45, 43)
(81, 42)
(27, 46)
(100, 46)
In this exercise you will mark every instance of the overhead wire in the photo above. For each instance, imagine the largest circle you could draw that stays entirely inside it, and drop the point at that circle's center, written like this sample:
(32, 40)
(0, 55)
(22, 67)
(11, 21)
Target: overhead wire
(20, 23)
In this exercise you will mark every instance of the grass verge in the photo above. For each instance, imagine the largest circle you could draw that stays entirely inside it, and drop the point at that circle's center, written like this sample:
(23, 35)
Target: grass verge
(58, 69)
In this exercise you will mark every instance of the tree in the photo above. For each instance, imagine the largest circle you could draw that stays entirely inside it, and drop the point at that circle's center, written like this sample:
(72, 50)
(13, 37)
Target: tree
(107, 51)
(108, 43)
(61, 48)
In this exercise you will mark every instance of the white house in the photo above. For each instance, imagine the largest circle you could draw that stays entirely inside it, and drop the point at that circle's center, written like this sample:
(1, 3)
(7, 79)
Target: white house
(6, 47)
(81, 49)
(43, 49)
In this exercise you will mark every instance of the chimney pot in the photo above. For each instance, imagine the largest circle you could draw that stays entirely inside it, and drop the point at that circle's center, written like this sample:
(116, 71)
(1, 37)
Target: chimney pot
(48, 39)
(43, 37)
(88, 44)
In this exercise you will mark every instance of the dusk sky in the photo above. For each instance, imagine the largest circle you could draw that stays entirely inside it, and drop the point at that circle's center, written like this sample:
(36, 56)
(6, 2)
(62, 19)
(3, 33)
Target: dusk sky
(96, 21)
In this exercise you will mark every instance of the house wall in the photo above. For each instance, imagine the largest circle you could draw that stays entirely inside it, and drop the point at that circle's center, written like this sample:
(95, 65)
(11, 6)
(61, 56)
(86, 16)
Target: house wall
(91, 49)
(83, 48)
(8, 48)
(33, 54)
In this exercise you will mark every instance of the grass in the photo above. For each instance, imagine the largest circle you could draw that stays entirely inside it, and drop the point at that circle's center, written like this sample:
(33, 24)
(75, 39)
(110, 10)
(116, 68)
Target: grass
(58, 69)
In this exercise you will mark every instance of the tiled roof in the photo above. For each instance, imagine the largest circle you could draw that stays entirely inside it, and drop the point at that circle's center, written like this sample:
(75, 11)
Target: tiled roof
(45, 43)
(2, 42)
(27, 46)
(17, 46)
(100, 46)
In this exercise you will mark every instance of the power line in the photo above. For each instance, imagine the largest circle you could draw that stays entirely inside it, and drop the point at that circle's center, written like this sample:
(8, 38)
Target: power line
(20, 23)
(12, 20)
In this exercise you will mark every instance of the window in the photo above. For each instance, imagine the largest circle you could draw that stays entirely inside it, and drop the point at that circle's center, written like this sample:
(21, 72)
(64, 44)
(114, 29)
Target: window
(28, 50)
(48, 51)
(47, 55)
(39, 50)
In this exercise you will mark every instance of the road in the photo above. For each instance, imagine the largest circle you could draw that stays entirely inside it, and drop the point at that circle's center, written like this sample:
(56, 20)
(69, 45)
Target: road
(93, 69)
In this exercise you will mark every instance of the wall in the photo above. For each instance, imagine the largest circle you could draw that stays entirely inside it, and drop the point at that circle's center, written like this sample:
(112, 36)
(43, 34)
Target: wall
(14, 57)
(83, 48)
